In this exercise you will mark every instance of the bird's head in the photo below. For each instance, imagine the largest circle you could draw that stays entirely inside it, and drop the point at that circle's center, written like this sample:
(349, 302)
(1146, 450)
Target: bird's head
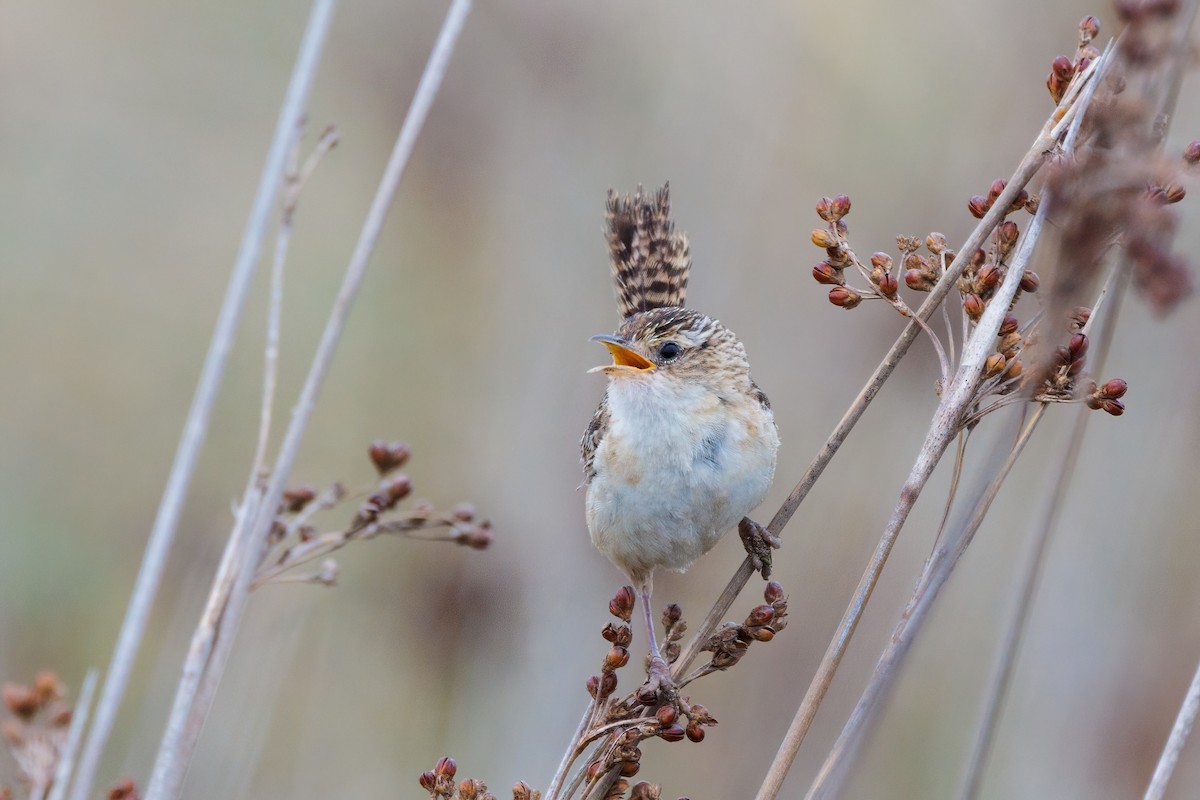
(674, 344)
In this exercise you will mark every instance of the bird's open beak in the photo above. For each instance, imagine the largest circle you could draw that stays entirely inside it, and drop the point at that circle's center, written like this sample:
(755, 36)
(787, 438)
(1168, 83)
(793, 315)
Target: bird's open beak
(624, 359)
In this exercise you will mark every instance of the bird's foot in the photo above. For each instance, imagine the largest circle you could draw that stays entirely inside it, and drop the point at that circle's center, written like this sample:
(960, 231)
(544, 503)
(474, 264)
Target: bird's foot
(759, 542)
(659, 688)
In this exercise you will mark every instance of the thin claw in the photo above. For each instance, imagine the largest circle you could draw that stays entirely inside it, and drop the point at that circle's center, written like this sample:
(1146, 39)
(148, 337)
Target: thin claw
(759, 542)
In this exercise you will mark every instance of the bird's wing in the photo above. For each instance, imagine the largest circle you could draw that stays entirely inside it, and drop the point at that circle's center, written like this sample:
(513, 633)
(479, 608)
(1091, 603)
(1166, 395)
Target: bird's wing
(591, 439)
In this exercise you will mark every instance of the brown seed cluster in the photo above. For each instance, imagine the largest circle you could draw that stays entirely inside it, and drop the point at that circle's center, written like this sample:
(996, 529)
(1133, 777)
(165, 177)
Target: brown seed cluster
(123, 789)
(295, 539)
(1110, 190)
(657, 711)
(731, 642)
(879, 273)
(1063, 69)
(441, 785)
(35, 730)
(1119, 190)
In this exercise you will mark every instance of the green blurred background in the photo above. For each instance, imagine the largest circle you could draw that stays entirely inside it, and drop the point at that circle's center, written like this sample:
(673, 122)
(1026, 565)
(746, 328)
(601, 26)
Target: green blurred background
(131, 138)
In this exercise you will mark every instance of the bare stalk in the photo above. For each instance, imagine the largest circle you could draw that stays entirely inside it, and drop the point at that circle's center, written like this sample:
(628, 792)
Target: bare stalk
(1029, 574)
(196, 427)
(79, 718)
(950, 546)
(956, 397)
(213, 639)
(845, 750)
(1179, 734)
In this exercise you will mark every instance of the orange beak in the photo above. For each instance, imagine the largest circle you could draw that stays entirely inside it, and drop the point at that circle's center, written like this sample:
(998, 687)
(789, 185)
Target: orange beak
(624, 359)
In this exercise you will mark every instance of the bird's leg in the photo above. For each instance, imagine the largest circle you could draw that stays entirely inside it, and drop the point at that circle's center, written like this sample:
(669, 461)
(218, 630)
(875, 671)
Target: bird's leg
(759, 542)
(659, 686)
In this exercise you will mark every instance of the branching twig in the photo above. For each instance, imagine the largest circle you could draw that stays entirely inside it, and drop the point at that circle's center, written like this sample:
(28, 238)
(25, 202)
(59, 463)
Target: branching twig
(196, 427)
(1029, 574)
(956, 395)
(213, 639)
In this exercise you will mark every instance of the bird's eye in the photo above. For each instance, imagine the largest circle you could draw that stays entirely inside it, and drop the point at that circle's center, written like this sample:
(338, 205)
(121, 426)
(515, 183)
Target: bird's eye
(669, 351)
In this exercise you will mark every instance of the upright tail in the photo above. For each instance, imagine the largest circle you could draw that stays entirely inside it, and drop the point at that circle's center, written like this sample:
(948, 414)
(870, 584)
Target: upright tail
(650, 261)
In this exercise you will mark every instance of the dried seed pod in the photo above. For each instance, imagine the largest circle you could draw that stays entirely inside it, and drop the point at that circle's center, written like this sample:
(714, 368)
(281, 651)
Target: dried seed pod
(987, 279)
(672, 733)
(918, 280)
(825, 209)
(1078, 345)
(1114, 407)
(881, 261)
(1114, 388)
(1009, 325)
(973, 305)
(978, 206)
(645, 791)
(888, 286)
(994, 365)
(428, 780)
(628, 769)
(1089, 28)
(995, 190)
(760, 615)
(845, 297)
(621, 606)
(695, 732)
(647, 694)
(840, 206)
(774, 592)
(387, 456)
(1030, 282)
(826, 273)
(1174, 192)
(617, 657)
(297, 498)
(1191, 153)
(446, 766)
(822, 237)
(523, 791)
(21, 701)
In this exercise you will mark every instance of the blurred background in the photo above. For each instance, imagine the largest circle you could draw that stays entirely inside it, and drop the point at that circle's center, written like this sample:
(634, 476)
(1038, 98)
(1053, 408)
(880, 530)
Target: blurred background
(132, 137)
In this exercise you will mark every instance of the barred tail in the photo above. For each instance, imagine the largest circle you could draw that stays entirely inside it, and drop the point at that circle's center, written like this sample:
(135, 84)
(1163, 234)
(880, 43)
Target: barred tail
(650, 261)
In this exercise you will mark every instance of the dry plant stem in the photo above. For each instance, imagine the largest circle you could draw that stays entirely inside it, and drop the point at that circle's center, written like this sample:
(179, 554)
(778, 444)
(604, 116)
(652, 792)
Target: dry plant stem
(574, 748)
(957, 398)
(829, 780)
(212, 641)
(1029, 574)
(196, 427)
(1179, 734)
(974, 352)
(208, 680)
(79, 718)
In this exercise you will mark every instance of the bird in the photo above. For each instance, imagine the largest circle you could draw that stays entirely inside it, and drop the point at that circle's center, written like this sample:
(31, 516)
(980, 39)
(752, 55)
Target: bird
(684, 443)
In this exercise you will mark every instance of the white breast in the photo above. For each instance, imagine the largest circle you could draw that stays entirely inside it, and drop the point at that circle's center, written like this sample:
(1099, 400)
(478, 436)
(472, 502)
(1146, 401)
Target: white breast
(678, 467)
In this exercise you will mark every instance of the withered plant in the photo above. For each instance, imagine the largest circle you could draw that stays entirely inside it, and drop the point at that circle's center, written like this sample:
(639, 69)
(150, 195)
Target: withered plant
(1008, 340)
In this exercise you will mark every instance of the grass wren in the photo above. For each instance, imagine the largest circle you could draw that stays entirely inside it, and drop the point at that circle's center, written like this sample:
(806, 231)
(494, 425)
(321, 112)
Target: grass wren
(683, 444)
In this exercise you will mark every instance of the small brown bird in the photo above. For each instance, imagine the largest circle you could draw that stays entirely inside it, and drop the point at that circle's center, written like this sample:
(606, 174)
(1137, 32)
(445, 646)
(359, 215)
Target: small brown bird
(683, 444)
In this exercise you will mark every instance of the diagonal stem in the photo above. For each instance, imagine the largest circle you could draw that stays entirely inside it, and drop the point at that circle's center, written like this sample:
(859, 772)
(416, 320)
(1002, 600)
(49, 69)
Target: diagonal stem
(195, 429)
(211, 644)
